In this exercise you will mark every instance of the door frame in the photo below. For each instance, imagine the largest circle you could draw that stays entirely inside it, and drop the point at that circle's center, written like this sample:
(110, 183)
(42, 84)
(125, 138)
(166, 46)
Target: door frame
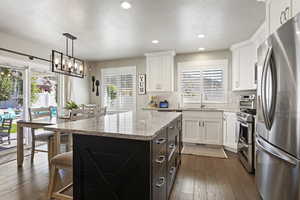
(26, 67)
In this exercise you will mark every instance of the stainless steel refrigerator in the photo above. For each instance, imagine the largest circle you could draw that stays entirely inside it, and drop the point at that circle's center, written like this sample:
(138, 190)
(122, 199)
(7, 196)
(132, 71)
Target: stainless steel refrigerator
(278, 114)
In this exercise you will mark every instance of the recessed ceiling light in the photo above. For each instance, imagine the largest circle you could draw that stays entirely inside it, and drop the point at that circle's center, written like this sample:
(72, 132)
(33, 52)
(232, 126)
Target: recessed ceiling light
(201, 36)
(155, 41)
(125, 5)
(201, 49)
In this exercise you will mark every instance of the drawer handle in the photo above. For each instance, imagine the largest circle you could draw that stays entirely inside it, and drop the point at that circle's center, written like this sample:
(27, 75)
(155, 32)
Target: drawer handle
(160, 159)
(171, 127)
(161, 182)
(172, 170)
(172, 146)
(161, 141)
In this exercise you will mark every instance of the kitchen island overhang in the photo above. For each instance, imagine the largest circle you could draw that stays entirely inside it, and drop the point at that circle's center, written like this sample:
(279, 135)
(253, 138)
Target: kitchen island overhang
(125, 155)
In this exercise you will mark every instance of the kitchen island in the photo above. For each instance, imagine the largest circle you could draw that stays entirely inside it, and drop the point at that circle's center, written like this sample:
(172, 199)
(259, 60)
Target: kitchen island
(131, 155)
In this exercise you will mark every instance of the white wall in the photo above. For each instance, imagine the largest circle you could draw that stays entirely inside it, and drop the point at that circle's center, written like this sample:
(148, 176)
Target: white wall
(80, 91)
(140, 64)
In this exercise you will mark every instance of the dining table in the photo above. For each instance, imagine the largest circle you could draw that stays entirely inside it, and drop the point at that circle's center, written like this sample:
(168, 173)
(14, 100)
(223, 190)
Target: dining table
(37, 124)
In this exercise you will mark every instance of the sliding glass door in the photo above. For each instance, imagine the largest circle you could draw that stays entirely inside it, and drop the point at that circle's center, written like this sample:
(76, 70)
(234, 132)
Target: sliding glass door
(12, 102)
(44, 89)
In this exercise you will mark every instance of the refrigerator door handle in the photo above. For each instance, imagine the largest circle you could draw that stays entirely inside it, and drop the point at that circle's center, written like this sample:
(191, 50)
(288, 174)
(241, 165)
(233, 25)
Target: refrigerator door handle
(272, 64)
(264, 89)
(263, 146)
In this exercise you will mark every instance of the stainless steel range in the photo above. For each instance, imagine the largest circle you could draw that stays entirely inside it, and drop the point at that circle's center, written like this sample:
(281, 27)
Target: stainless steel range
(245, 131)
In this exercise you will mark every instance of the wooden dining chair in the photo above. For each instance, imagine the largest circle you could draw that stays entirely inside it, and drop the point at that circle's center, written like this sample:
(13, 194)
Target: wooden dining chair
(90, 109)
(78, 114)
(93, 110)
(60, 161)
(43, 136)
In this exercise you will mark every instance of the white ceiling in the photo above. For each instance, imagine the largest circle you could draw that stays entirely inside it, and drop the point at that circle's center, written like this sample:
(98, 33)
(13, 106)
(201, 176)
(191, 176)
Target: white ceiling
(105, 31)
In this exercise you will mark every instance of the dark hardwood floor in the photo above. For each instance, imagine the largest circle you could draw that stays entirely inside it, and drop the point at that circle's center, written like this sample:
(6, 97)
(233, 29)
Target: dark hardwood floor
(199, 178)
(204, 178)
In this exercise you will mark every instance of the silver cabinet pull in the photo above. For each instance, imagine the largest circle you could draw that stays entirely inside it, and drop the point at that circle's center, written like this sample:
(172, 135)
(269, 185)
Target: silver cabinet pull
(161, 141)
(171, 127)
(172, 170)
(161, 182)
(172, 146)
(160, 159)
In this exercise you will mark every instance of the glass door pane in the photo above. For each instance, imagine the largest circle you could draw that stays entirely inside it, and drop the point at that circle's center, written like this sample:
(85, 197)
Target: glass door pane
(11, 104)
(44, 89)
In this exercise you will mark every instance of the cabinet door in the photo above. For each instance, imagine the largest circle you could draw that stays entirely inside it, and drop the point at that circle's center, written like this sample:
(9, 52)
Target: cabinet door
(279, 12)
(235, 69)
(225, 142)
(296, 7)
(213, 132)
(154, 81)
(166, 73)
(247, 67)
(191, 131)
(231, 140)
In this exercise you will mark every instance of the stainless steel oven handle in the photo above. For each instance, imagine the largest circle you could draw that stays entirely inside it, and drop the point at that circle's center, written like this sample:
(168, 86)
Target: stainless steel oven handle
(263, 146)
(244, 124)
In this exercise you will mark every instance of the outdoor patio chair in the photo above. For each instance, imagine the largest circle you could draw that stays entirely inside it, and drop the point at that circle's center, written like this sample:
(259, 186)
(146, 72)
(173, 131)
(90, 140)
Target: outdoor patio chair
(5, 129)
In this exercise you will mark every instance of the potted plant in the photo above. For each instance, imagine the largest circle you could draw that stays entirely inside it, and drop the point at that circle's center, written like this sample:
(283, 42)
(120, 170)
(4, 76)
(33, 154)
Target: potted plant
(71, 105)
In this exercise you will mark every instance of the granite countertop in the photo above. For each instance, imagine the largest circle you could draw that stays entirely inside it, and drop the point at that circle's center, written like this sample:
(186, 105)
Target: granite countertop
(194, 109)
(142, 125)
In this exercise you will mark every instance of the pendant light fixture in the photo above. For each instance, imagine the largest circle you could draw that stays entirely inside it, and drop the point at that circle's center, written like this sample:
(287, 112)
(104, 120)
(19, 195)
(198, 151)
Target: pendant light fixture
(67, 64)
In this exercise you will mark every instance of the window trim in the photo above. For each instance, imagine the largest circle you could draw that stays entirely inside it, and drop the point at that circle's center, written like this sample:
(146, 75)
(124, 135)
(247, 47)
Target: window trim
(116, 68)
(205, 64)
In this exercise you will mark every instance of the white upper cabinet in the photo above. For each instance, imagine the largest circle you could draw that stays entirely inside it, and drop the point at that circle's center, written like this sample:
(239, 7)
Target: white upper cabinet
(296, 7)
(160, 71)
(278, 12)
(243, 66)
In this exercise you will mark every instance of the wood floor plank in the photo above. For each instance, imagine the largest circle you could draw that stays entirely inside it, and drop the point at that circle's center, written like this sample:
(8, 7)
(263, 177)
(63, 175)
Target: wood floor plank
(199, 178)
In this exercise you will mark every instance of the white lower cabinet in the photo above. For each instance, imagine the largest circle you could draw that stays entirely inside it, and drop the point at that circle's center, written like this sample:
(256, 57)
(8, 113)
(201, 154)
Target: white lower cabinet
(213, 131)
(229, 131)
(296, 7)
(202, 127)
(192, 131)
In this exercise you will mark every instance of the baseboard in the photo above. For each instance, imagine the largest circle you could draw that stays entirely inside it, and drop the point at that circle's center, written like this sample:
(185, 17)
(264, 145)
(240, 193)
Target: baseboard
(230, 149)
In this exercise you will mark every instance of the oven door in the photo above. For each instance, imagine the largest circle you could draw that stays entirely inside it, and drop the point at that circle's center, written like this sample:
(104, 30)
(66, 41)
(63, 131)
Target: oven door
(245, 132)
(245, 146)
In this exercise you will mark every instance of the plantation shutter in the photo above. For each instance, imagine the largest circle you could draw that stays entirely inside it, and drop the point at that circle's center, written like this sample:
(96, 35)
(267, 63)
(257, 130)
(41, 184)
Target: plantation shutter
(208, 81)
(213, 85)
(190, 84)
(119, 88)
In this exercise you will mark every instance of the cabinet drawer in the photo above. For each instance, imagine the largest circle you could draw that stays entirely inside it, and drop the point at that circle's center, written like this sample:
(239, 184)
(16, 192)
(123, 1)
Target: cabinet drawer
(159, 184)
(171, 173)
(160, 142)
(200, 114)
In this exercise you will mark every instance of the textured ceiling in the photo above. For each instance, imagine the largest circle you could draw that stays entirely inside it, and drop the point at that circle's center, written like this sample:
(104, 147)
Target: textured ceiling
(105, 31)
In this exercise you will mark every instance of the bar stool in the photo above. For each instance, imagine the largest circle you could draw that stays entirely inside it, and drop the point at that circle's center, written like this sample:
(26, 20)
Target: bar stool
(60, 161)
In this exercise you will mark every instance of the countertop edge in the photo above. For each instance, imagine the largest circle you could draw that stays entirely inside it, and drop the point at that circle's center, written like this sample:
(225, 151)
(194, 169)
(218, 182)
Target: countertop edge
(112, 134)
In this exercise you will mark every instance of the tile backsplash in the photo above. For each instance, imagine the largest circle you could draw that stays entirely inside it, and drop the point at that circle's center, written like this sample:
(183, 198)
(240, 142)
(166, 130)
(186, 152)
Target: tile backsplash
(174, 99)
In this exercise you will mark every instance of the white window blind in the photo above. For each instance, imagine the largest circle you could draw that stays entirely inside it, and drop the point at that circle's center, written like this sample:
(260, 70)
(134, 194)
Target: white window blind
(206, 80)
(119, 88)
